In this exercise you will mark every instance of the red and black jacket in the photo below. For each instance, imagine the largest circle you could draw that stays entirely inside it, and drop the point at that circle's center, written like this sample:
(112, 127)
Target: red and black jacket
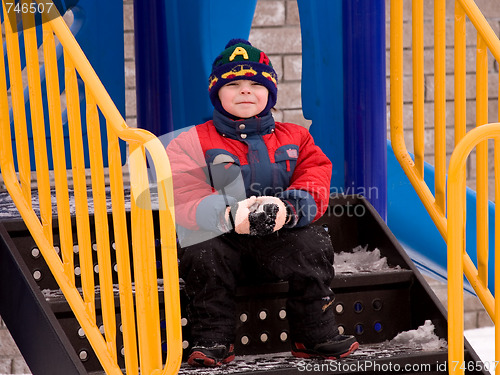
(222, 161)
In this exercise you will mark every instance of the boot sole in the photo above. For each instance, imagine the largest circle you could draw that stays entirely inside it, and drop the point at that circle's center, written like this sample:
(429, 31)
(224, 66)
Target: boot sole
(312, 354)
(199, 359)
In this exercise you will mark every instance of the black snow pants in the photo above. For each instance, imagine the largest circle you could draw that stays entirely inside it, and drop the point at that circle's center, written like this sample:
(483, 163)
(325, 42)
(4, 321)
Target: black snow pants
(302, 256)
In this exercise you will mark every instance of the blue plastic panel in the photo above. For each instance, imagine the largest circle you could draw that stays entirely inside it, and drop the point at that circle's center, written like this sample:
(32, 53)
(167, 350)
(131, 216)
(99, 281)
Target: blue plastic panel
(154, 109)
(189, 35)
(197, 31)
(365, 100)
(322, 79)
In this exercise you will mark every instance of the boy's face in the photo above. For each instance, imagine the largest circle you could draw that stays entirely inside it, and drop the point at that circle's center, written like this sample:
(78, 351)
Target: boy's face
(243, 98)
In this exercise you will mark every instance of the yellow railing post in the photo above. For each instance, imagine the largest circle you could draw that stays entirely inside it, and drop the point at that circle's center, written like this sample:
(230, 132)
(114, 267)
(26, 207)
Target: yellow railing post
(17, 94)
(418, 84)
(122, 256)
(80, 185)
(38, 123)
(101, 222)
(58, 150)
(440, 104)
(456, 234)
(460, 70)
(148, 320)
(482, 161)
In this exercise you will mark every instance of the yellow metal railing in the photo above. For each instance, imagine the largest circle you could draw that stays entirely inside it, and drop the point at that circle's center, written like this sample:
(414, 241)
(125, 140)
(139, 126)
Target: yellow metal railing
(437, 204)
(458, 259)
(139, 312)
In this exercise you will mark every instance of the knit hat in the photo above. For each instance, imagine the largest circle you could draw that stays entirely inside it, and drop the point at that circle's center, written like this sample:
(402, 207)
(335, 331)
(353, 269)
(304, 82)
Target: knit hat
(240, 60)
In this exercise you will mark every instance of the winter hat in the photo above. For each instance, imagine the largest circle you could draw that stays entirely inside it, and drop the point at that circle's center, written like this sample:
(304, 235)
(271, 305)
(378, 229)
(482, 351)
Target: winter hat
(240, 60)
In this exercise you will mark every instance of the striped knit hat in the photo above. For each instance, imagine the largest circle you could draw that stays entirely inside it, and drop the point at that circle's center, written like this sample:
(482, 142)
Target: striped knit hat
(240, 60)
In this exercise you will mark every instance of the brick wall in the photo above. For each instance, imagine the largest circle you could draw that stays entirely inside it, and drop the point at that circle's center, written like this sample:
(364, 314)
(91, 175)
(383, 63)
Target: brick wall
(276, 30)
(475, 316)
(130, 99)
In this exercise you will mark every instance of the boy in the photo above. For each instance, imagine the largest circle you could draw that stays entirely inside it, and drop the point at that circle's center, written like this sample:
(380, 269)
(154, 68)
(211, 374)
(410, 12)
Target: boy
(282, 182)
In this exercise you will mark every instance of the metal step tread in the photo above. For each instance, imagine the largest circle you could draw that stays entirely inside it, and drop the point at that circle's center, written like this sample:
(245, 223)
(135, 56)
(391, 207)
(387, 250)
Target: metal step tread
(379, 357)
(372, 279)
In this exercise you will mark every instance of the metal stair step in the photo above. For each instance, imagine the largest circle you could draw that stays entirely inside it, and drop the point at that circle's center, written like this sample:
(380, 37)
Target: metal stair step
(379, 357)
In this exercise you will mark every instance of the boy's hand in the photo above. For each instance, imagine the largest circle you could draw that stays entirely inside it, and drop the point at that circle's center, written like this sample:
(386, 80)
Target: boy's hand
(238, 214)
(258, 216)
(269, 216)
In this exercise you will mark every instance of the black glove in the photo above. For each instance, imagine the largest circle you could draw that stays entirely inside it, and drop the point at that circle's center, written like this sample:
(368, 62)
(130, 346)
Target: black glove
(267, 216)
(263, 222)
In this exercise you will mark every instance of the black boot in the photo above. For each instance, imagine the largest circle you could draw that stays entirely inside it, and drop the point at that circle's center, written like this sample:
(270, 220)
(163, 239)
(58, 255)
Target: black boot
(338, 347)
(211, 355)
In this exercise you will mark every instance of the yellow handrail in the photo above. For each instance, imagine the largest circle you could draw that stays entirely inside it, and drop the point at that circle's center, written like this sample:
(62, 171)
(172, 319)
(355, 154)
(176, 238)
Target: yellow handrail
(458, 260)
(438, 204)
(140, 315)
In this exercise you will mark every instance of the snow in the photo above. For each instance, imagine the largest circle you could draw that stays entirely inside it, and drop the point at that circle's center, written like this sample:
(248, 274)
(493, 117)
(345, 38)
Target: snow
(361, 260)
(9, 210)
(422, 338)
(483, 342)
(54, 294)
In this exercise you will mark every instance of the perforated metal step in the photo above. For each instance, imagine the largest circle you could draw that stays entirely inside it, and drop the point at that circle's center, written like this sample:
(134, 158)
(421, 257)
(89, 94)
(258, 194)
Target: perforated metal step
(370, 358)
